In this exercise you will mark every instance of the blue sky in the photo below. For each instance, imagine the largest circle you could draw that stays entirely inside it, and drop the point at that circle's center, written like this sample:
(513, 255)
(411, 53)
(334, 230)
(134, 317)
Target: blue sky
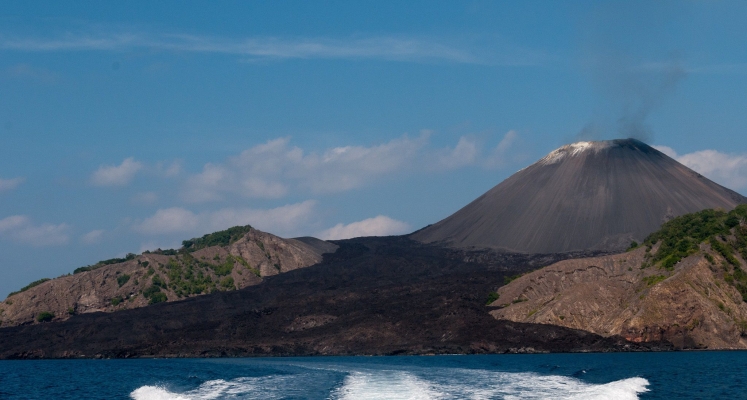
(134, 125)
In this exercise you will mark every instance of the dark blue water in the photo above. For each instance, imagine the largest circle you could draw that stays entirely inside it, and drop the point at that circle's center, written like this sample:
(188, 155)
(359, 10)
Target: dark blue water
(685, 375)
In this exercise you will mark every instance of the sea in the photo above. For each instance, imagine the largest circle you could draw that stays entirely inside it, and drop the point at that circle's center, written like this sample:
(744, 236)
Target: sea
(675, 375)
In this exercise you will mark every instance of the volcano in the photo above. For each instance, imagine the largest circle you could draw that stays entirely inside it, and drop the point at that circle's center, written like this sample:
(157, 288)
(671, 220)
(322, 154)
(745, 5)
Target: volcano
(583, 196)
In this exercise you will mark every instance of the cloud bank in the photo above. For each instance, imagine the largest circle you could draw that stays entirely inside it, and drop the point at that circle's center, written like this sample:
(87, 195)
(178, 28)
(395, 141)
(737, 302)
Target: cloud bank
(729, 170)
(276, 168)
(116, 175)
(284, 221)
(20, 229)
(377, 226)
(10, 184)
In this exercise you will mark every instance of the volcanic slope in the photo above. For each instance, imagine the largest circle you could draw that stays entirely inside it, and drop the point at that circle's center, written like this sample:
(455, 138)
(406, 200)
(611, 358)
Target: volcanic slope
(387, 295)
(582, 196)
(687, 284)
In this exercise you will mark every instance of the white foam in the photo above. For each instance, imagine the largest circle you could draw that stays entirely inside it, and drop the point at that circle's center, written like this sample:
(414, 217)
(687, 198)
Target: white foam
(479, 385)
(393, 385)
(411, 384)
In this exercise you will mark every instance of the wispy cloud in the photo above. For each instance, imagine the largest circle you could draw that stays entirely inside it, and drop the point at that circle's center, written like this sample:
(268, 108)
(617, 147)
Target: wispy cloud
(377, 226)
(93, 237)
(116, 175)
(19, 228)
(729, 170)
(396, 48)
(286, 220)
(10, 184)
(276, 168)
(26, 71)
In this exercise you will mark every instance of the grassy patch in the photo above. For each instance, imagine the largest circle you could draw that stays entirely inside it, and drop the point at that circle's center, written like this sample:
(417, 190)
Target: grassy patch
(122, 279)
(653, 279)
(29, 286)
(493, 296)
(44, 316)
(220, 238)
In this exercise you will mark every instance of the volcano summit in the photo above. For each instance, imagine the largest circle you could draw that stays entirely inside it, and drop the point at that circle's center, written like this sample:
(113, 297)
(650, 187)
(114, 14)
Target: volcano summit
(583, 196)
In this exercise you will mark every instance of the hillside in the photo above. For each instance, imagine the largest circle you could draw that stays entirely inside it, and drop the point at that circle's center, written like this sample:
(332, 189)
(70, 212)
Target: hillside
(388, 295)
(685, 284)
(221, 261)
(583, 196)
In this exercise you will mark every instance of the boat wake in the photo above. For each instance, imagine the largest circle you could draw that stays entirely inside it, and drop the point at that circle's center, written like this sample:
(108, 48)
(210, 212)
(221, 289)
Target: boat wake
(425, 384)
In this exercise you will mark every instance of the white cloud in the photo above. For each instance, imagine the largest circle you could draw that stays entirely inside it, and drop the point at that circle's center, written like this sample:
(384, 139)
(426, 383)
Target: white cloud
(499, 154)
(729, 170)
(286, 220)
(116, 175)
(377, 226)
(396, 48)
(92, 237)
(169, 170)
(19, 228)
(465, 153)
(169, 220)
(276, 168)
(10, 184)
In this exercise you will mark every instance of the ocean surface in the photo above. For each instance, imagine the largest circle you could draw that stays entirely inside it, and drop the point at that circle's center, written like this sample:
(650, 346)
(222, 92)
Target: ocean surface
(681, 375)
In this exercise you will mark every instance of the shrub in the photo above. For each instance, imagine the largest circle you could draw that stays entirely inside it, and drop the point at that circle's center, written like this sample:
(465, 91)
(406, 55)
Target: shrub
(128, 257)
(220, 238)
(227, 283)
(116, 300)
(158, 281)
(44, 316)
(509, 279)
(158, 297)
(122, 279)
(29, 286)
(150, 291)
(492, 296)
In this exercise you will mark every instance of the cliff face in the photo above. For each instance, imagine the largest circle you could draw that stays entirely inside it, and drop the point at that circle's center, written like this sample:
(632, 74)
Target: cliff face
(692, 306)
(152, 278)
(583, 196)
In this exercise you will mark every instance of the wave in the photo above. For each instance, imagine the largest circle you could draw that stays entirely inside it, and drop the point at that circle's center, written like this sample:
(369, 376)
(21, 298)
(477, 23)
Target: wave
(421, 384)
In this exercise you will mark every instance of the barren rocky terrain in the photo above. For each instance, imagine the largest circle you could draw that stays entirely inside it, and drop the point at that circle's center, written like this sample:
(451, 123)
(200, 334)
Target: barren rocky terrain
(372, 296)
(152, 277)
(697, 303)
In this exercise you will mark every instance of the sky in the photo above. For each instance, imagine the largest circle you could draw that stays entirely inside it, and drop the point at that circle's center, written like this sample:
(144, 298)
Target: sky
(128, 126)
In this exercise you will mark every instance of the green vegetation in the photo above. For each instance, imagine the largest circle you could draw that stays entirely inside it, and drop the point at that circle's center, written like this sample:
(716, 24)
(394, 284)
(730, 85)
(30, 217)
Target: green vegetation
(225, 268)
(726, 233)
(29, 286)
(44, 316)
(116, 300)
(633, 245)
(227, 283)
(122, 279)
(682, 236)
(653, 279)
(509, 279)
(492, 296)
(158, 297)
(220, 238)
(103, 263)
